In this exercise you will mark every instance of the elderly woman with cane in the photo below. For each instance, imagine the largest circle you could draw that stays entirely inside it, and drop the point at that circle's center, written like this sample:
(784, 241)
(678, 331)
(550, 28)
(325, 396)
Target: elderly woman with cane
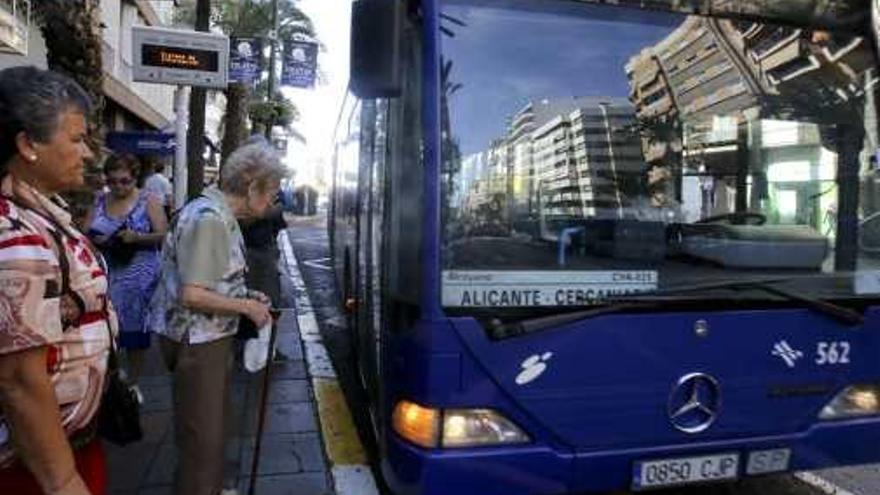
(201, 296)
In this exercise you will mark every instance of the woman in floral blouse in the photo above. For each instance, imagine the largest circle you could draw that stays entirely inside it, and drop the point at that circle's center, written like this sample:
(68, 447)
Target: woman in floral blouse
(55, 321)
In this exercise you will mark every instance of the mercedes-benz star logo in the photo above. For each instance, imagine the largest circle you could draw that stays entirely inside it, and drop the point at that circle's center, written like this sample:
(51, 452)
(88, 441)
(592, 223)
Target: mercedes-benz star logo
(694, 403)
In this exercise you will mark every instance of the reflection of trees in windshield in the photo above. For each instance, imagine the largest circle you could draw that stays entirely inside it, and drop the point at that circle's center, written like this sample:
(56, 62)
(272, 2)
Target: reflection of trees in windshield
(721, 117)
(450, 150)
(839, 13)
(725, 83)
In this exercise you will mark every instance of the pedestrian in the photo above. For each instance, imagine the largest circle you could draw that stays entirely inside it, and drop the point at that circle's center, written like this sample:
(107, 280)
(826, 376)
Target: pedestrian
(55, 322)
(260, 240)
(261, 249)
(201, 295)
(262, 255)
(128, 226)
(261, 246)
(155, 182)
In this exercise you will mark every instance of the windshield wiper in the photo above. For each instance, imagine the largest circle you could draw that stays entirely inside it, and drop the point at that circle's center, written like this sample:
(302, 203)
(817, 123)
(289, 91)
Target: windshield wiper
(636, 302)
(842, 314)
(535, 324)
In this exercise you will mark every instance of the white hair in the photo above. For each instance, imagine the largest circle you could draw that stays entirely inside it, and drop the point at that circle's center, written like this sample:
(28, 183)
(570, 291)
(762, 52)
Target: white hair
(251, 164)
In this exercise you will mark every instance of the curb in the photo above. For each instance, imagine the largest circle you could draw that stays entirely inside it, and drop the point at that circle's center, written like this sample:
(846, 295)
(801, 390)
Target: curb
(350, 473)
(821, 483)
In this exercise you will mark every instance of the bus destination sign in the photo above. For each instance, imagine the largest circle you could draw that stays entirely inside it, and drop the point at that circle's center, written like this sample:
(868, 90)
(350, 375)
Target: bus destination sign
(541, 288)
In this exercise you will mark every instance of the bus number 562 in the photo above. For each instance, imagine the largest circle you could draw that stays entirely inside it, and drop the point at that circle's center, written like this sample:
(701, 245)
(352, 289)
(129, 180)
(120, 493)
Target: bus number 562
(831, 353)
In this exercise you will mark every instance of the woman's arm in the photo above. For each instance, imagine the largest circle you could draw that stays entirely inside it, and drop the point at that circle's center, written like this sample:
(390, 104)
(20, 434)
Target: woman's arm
(205, 300)
(158, 221)
(27, 399)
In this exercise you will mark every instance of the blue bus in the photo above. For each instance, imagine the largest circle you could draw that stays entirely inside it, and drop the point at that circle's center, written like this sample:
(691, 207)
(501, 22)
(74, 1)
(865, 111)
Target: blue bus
(601, 245)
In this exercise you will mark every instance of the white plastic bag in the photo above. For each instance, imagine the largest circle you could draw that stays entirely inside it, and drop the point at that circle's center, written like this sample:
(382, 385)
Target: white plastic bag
(256, 351)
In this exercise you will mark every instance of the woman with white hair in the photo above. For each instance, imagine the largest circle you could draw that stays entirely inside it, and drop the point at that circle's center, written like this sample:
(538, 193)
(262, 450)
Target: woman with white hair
(201, 296)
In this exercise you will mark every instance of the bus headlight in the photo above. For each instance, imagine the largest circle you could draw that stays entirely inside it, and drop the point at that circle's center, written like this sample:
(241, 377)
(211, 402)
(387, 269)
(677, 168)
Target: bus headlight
(852, 402)
(479, 427)
(454, 428)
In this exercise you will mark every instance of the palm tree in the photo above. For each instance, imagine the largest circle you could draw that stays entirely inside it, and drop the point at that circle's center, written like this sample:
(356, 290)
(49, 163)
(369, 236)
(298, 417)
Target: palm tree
(251, 18)
(73, 47)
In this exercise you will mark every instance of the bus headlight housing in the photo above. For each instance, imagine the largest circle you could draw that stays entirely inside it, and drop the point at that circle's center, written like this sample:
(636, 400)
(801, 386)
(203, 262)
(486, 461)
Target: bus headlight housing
(479, 427)
(852, 402)
(454, 428)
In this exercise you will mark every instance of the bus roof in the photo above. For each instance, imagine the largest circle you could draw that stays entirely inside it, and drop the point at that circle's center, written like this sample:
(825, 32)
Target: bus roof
(850, 15)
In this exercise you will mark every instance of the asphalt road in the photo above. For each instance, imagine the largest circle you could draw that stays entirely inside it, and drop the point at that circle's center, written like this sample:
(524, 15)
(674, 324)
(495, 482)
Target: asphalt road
(310, 244)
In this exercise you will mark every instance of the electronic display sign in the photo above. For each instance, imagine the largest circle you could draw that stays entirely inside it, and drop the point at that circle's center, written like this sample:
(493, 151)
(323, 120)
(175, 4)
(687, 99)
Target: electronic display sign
(180, 57)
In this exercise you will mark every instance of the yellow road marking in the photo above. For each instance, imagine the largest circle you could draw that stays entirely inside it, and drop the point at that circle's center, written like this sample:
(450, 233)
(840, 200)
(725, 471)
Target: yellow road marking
(340, 436)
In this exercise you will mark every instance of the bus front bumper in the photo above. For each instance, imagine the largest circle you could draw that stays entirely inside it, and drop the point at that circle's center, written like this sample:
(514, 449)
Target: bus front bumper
(535, 469)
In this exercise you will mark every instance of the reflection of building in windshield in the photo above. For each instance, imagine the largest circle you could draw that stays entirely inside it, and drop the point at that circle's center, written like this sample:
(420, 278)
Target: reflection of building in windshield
(587, 163)
(708, 68)
(579, 155)
(714, 97)
(809, 12)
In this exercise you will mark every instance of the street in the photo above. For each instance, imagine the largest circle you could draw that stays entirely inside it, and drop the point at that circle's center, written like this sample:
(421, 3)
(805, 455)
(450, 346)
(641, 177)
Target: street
(309, 239)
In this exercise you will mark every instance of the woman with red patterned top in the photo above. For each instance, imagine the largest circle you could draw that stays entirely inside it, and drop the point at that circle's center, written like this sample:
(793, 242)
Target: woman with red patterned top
(55, 322)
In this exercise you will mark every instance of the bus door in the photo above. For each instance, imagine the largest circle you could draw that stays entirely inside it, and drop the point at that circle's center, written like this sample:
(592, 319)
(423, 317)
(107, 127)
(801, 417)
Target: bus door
(371, 199)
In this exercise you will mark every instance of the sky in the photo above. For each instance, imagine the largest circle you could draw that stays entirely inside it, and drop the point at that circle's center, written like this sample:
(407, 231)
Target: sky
(319, 106)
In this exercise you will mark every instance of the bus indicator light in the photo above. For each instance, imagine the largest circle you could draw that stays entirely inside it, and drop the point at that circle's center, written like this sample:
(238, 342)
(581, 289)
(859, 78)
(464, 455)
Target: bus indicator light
(417, 424)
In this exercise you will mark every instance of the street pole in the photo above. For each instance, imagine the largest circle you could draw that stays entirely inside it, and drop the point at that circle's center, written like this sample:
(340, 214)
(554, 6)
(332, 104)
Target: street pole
(270, 94)
(197, 101)
(180, 172)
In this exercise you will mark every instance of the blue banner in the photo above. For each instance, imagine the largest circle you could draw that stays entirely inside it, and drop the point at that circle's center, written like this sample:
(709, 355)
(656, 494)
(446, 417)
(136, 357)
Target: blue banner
(245, 59)
(141, 143)
(300, 64)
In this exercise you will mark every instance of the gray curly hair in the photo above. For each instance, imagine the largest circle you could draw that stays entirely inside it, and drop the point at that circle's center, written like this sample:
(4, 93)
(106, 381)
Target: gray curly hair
(252, 164)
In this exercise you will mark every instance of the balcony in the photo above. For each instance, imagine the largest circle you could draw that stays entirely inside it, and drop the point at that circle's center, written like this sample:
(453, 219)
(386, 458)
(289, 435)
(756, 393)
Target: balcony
(15, 23)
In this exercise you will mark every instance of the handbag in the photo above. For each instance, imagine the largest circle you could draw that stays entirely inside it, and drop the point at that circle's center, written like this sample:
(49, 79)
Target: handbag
(118, 419)
(247, 330)
(116, 252)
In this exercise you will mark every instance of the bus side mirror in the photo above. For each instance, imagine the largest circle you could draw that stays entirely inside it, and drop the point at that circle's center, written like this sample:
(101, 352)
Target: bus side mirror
(375, 48)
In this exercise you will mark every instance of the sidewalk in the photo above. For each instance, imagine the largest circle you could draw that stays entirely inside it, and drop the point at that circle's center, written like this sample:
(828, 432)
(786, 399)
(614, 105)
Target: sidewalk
(292, 459)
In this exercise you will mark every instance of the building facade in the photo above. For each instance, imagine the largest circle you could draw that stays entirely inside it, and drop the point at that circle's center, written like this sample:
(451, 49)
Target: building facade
(130, 105)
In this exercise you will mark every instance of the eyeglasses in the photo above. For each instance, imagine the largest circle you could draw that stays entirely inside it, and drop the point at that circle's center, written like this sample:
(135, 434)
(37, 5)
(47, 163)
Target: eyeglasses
(126, 181)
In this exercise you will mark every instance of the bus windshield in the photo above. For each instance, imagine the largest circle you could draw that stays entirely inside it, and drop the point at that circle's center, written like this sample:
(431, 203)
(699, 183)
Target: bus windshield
(592, 151)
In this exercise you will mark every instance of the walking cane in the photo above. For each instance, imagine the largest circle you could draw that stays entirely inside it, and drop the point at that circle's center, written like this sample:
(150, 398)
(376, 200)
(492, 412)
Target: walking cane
(264, 398)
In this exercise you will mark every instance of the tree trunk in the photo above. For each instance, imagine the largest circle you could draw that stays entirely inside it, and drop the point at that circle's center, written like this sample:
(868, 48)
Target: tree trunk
(73, 47)
(195, 137)
(235, 128)
(195, 143)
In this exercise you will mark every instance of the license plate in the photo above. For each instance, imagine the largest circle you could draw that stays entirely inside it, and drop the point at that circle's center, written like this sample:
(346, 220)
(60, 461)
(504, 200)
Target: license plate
(682, 471)
(768, 461)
